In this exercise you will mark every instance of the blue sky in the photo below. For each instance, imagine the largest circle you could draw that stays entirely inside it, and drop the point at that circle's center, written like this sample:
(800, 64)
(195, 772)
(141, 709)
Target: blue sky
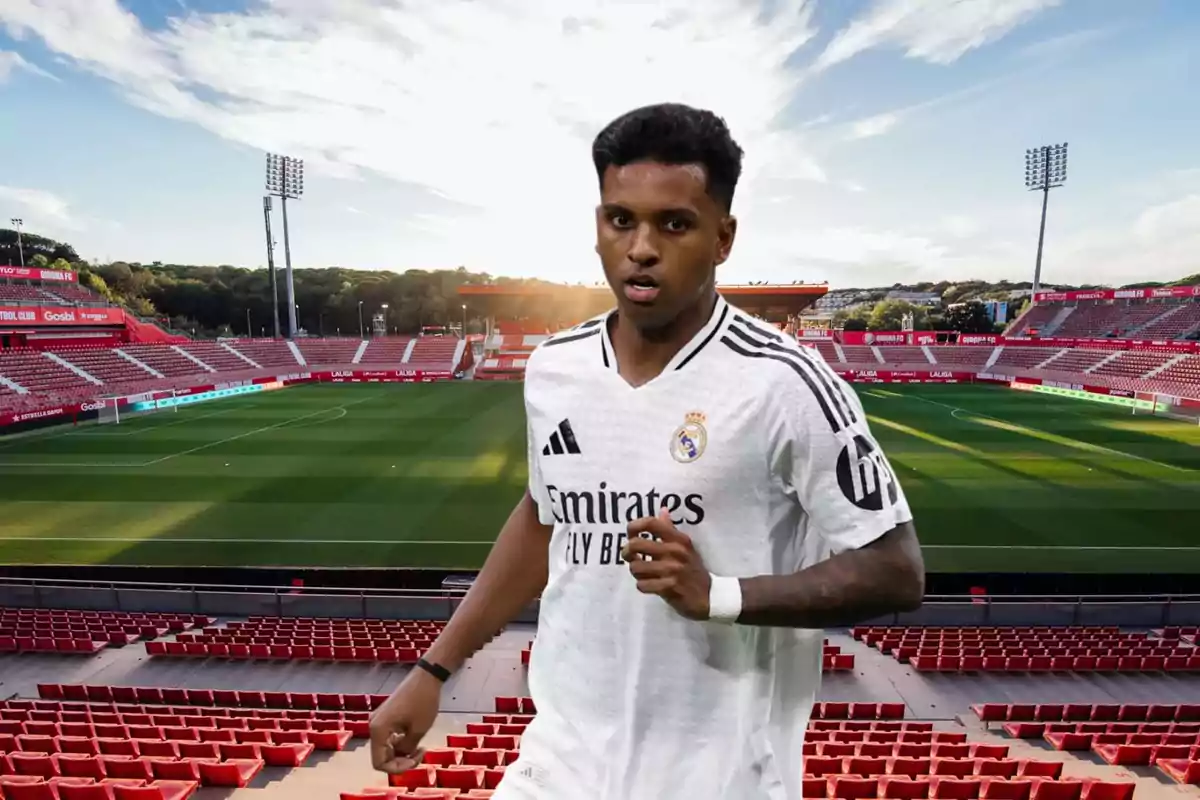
(884, 138)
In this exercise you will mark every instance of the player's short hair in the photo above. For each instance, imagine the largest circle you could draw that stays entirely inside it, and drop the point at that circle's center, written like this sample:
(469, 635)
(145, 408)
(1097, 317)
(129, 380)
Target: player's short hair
(673, 133)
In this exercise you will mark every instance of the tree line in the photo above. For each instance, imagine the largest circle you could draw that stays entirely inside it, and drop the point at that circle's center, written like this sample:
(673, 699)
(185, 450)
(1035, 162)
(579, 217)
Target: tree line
(215, 300)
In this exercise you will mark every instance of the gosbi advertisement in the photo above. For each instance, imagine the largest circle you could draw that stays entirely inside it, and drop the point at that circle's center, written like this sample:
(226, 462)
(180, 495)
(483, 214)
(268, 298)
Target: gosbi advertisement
(60, 315)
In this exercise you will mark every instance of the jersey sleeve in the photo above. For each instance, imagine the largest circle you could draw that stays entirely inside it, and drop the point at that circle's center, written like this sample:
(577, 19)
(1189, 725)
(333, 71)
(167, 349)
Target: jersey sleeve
(537, 486)
(832, 464)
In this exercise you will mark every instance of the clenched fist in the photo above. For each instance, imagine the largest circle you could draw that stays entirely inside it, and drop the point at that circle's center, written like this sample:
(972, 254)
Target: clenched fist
(398, 725)
(669, 567)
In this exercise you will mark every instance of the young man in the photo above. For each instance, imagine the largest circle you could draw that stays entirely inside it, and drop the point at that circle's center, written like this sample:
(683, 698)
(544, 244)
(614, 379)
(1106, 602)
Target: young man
(704, 497)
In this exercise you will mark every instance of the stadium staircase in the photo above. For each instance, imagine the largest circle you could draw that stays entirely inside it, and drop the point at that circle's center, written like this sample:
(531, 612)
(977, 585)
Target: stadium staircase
(1183, 323)
(433, 353)
(389, 352)
(266, 352)
(1046, 319)
(1162, 321)
(1107, 359)
(1166, 365)
(215, 356)
(62, 362)
(170, 361)
(144, 332)
(134, 360)
(329, 352)
(296, 354)
(13, 386)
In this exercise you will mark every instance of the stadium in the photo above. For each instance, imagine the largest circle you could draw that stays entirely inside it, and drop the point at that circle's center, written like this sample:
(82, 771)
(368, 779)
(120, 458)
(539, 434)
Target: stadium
(221, 555)
(329, 518)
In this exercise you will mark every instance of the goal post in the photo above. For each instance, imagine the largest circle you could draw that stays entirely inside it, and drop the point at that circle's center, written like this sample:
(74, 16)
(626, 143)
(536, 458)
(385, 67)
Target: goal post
(110, 411)
(1186, 409)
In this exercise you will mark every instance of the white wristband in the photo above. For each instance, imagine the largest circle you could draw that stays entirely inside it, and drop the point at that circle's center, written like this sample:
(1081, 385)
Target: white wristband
(724, 599)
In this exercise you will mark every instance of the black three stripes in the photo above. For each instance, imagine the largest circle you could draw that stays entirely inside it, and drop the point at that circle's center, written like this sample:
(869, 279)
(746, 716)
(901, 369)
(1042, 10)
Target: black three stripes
(582, 331)
(751, 341)
(562, 441)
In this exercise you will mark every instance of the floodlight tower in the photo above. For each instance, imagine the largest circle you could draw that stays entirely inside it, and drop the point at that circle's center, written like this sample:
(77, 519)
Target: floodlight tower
(17, 223)
(271, 265)
(1045, 169)
(285, 180)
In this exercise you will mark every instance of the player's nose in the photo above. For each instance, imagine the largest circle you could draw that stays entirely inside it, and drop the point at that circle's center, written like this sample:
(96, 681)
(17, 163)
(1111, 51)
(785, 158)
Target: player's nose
(643, 247)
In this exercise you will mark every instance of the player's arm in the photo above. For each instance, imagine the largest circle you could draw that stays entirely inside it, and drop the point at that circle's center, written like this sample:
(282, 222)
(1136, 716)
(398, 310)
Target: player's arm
(832, 466)
(884, 576)
(512, 577)
(828, 462)
(514, 573)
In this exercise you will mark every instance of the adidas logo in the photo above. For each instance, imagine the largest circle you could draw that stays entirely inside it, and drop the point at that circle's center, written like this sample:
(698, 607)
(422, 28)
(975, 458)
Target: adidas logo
(562, 441)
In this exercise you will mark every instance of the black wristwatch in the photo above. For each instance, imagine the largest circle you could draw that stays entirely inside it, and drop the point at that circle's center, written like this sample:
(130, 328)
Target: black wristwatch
(436, 670)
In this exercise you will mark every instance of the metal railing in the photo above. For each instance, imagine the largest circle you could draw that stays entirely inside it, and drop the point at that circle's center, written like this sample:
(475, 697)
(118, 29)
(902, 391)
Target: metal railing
(1127, 610)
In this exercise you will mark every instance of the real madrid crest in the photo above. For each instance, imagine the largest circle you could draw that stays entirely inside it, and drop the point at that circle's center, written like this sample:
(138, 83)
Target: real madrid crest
(690, 438)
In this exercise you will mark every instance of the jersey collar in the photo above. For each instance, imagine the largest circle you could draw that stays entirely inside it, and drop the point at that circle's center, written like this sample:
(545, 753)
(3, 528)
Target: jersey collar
(719, 318)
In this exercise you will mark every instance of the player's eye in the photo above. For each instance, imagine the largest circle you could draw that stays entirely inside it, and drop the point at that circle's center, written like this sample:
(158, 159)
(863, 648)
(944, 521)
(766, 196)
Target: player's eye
(619, 219)
(677, 225)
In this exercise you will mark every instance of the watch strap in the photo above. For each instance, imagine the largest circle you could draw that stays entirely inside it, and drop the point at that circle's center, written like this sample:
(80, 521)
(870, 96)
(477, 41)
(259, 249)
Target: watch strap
(436, 670)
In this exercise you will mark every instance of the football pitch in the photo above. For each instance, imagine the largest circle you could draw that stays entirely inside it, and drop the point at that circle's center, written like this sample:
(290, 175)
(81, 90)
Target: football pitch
(423, 475)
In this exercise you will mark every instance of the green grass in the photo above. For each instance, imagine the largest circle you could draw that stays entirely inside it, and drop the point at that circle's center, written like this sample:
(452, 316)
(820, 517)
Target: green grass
(423, 475)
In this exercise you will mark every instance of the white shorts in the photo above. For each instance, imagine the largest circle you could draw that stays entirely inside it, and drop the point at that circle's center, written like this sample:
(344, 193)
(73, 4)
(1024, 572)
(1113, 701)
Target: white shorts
(534, 776)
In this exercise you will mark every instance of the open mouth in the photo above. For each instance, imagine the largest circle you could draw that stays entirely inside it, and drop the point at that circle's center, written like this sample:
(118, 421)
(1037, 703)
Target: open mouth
(641, 289)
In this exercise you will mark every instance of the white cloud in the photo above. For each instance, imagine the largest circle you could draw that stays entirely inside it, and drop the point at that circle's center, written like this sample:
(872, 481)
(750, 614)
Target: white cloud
(10, 62)
(451, 95)
(1160, 241)
(937, 31)
(455, 97)
(877, 125)
(38, 207)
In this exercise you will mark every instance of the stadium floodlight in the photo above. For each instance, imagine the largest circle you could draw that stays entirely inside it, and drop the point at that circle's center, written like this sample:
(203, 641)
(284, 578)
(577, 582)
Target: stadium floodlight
(271, 265)
(285, 180)
(17, 223)
(1045, 169)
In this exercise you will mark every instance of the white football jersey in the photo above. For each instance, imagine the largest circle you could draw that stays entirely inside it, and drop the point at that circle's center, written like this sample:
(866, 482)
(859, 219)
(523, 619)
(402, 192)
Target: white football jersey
(764, 458)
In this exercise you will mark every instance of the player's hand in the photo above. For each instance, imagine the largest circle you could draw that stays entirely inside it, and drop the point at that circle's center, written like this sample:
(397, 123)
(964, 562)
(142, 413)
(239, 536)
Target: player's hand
(674, 571)
(398, 725)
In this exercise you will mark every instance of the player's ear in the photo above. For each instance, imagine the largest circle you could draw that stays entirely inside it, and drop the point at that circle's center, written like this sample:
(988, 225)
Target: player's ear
(726, 233)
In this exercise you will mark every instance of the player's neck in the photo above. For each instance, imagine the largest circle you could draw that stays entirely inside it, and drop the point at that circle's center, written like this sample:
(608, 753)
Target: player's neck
(643, 355)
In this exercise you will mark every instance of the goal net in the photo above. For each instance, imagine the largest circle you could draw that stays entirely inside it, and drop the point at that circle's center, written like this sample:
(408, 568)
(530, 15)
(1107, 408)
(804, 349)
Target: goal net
(1157, 404)
(110, 411)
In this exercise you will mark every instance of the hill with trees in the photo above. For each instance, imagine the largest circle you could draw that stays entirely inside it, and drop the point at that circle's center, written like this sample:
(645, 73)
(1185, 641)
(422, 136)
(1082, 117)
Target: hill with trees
(214, 300)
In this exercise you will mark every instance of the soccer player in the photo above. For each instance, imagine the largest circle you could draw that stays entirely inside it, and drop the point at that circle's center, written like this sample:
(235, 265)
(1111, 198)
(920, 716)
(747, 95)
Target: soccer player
(704, 497)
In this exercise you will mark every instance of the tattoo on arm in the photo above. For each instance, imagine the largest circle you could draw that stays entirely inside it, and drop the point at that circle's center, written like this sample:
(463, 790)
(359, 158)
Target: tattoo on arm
(886, 576)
